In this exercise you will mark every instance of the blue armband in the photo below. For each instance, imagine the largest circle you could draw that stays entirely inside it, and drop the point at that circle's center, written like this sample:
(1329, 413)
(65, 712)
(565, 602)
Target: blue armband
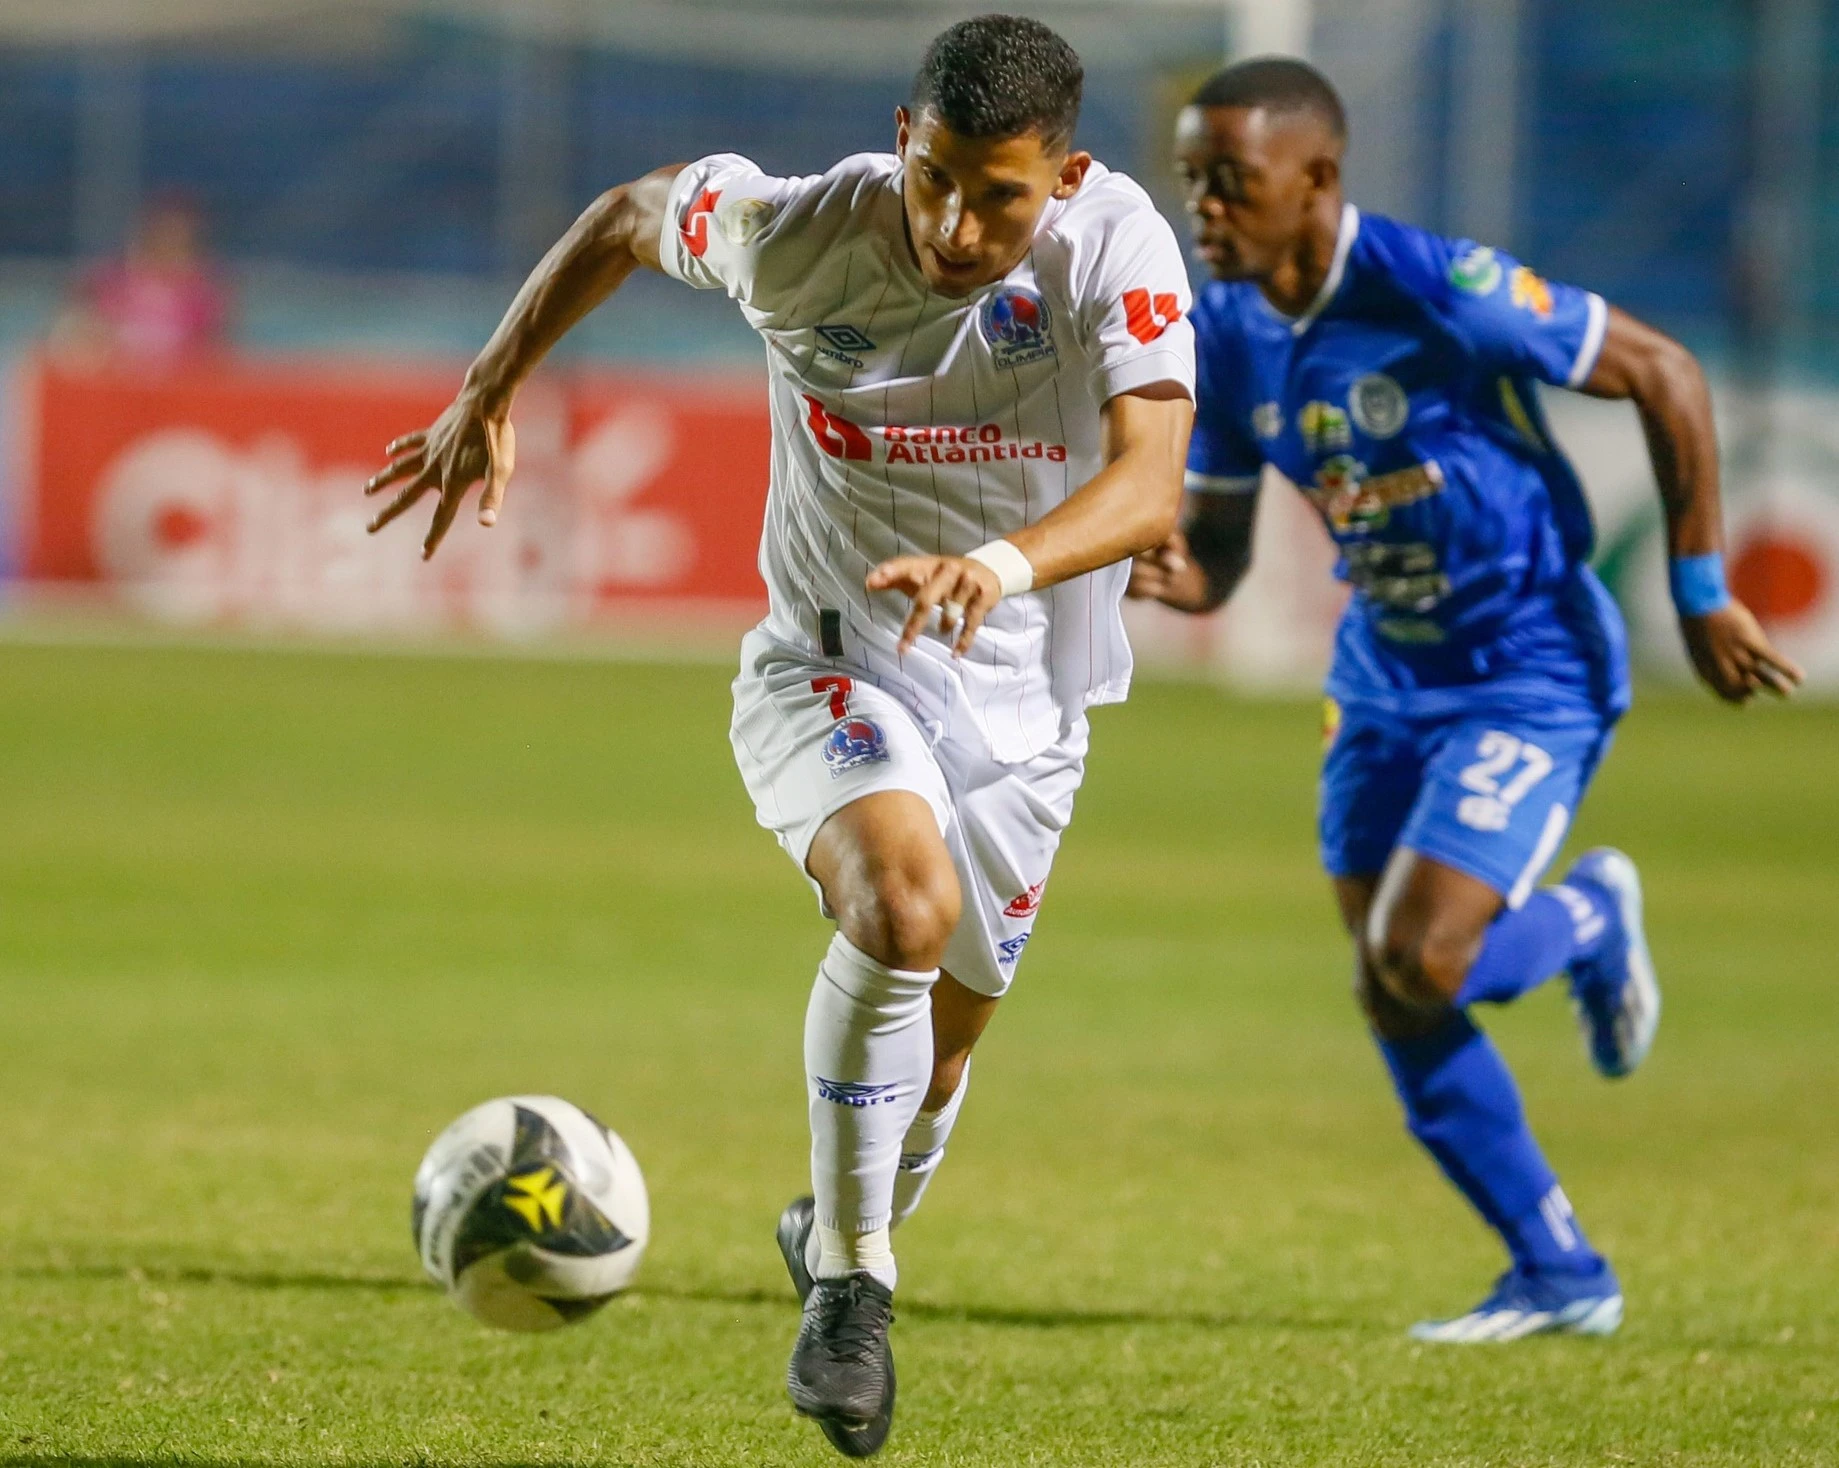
(1698, 585)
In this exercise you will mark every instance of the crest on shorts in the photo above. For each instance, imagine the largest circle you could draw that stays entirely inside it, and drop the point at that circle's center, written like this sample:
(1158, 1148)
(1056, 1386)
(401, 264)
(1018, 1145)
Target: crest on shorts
(854, 742)
(1018, 327)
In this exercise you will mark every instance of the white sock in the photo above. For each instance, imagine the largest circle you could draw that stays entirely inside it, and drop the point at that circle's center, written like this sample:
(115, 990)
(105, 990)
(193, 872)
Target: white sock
(868, 1061)
(923, 1149)
(921, 1152)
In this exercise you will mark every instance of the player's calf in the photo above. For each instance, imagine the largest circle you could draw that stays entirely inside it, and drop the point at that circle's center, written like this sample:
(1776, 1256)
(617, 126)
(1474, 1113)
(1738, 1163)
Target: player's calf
(889, 880)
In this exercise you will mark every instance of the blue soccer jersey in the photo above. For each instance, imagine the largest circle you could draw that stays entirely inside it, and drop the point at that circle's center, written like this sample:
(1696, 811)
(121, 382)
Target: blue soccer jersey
(1402, 404)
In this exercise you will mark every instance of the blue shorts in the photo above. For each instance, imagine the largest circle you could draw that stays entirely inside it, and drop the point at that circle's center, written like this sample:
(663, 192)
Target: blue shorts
(1490, 795)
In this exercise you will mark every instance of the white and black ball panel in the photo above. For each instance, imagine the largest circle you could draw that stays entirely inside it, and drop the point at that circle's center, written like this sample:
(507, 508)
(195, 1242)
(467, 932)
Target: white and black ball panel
(465, 1159)
(530, 1212)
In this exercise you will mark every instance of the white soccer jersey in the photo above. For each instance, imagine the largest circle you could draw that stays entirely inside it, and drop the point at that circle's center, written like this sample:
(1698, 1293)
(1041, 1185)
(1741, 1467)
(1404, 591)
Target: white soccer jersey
(906, 422)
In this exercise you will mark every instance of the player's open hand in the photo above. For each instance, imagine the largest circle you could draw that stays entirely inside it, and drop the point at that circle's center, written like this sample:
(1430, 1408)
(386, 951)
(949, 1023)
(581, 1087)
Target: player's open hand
(1734, 656)
(961, 591)
(467, 443)
(1169, 574)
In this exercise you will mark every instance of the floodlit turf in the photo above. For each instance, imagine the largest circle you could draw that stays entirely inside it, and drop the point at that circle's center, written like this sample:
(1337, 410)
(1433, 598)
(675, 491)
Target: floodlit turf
(267, 922)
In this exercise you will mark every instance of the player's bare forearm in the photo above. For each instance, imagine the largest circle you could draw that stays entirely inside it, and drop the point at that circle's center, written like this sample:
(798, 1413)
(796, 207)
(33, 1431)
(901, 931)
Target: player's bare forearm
(1728, 647)
(615, 234)
(1198, 568)
(1129, 506)
(1219, 531)
(1669, 391)
(473, 438)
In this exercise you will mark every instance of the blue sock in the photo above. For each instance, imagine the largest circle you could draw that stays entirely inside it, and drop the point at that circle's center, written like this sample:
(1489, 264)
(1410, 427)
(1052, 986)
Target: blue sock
(1526, 946)
(1462, 1104)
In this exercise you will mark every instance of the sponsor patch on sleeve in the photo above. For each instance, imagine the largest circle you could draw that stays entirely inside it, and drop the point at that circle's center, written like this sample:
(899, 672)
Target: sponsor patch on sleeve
(1477, 271)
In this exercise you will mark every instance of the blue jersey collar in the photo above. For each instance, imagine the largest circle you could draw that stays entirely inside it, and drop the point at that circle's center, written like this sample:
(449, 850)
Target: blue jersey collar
(1337, 268)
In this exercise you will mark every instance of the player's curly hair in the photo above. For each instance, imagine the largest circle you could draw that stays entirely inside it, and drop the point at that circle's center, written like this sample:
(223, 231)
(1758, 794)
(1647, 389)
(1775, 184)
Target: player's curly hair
(1278, 84)
(1000, 76)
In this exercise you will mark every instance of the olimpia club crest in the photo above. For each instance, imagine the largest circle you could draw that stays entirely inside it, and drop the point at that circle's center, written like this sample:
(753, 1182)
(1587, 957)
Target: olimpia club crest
(1477, 271)
(1017, 325)
(854, 742)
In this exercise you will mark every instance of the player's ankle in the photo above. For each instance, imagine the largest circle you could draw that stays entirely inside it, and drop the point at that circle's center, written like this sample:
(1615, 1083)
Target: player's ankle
(842, 1253)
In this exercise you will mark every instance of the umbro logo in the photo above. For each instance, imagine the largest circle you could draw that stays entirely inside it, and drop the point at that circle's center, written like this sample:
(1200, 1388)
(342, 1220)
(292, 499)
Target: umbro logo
(846, 338)
(844, 343)
(853, 1093)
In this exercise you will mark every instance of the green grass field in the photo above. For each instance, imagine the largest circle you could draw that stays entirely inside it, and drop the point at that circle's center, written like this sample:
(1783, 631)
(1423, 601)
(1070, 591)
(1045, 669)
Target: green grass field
(267, 922)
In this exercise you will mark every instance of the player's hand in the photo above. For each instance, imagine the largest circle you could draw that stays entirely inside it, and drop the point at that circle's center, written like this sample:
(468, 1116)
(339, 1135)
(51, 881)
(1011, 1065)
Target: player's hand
(467, 443)
(960, 590)
(1734, 656)
(1170, 574)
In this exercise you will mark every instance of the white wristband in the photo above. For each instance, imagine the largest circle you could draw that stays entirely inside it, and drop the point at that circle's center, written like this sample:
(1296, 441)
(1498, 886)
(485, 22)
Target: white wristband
(1012, 568)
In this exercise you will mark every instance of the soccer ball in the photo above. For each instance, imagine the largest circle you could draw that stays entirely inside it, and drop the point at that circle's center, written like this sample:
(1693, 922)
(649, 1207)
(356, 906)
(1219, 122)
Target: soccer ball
(530, 1213)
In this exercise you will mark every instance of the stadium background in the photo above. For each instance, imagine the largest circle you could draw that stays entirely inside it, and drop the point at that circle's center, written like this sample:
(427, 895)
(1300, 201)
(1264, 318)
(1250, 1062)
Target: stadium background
(372, 178)
(308, 847)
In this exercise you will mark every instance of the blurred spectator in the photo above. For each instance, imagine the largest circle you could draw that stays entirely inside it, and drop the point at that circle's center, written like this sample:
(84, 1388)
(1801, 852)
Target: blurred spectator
(161, 304)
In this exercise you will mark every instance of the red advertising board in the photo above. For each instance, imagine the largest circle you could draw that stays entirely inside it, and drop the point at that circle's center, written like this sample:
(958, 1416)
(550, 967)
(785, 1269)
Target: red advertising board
(229, 495)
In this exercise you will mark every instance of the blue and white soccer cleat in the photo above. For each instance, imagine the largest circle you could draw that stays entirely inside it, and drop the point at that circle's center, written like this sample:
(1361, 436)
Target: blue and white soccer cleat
(1616, 995)
(1533, 1304)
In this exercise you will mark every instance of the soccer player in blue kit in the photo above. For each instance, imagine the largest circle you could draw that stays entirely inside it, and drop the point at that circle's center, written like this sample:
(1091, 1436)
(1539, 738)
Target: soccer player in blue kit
(1480, 668)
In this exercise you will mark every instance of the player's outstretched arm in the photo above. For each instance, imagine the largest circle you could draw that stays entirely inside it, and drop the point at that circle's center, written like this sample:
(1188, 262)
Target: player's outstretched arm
(1129, 506)
(1198, 568)
(1728, 648)
(472, 439)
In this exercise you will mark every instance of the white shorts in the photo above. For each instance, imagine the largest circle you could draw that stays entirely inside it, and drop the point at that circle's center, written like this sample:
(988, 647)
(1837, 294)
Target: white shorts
(812, 737)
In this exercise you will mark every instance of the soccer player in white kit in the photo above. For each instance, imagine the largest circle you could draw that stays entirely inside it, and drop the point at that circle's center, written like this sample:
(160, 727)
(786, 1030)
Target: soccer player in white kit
(981, 376)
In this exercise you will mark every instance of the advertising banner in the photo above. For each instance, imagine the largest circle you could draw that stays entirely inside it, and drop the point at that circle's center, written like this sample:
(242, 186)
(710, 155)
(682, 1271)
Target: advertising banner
(228, 496)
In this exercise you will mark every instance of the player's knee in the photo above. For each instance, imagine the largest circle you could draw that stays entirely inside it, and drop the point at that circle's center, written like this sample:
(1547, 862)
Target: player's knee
(1443, 959)
(1419, 966)
(905, 916)
(1395, 953)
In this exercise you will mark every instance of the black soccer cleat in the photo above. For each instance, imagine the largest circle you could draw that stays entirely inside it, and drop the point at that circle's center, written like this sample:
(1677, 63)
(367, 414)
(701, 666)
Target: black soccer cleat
(842, 1370)
(794, 1234)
